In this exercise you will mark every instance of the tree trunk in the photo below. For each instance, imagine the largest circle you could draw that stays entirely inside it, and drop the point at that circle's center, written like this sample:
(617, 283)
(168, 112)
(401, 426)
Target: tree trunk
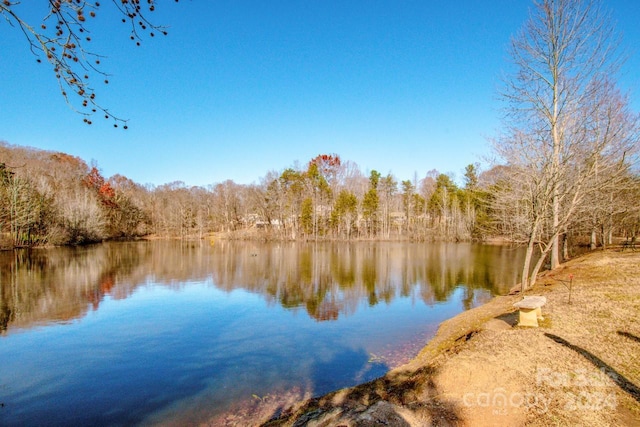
(555, 202)
(536, 269)
(525, 284)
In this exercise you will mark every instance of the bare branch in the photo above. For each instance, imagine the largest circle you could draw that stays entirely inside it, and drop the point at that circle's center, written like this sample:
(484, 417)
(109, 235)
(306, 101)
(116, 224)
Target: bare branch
(61, 38)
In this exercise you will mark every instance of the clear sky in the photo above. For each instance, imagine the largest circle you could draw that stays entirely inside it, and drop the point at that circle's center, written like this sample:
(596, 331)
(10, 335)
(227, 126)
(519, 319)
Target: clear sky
(239, 87)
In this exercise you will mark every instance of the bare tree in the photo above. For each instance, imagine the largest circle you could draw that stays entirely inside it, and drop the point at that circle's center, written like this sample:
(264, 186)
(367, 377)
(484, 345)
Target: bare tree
(566, 121)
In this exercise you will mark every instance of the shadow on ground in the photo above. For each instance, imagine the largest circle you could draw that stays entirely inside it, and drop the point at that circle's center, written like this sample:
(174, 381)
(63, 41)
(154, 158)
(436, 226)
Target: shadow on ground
(629, 335)
(619, 379)
(400, 398)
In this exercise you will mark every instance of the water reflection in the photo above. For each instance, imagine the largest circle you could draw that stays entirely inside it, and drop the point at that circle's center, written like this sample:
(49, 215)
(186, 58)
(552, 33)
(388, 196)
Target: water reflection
(326, 280)
(172, 332)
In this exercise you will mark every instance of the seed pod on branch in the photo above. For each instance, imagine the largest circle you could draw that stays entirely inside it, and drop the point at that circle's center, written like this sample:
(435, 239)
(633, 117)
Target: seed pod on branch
(65, 48)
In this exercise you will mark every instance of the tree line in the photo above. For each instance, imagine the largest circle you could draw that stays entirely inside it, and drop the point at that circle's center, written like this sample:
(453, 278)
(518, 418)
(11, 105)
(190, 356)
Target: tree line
(55, 198)
(52, 198)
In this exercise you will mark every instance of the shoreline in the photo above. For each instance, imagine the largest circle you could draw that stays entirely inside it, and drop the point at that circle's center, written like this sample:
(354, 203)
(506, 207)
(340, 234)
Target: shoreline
(482, 369)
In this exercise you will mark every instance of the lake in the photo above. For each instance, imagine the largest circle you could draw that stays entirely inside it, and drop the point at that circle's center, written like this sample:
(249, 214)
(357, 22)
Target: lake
(174, 333)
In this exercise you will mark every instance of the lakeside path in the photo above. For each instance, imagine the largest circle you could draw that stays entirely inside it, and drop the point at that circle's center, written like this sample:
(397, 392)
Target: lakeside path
(580, 367)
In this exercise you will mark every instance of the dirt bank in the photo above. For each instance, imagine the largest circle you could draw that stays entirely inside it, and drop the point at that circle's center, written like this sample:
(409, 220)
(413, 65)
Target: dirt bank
(580, 367)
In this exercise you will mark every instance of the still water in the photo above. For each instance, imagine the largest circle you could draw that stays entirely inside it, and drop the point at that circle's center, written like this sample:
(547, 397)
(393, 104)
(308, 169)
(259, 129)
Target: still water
(181, 333)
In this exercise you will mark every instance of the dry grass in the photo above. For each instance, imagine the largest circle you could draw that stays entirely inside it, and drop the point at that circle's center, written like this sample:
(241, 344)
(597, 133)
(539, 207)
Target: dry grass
(596, 342)
(580, 367)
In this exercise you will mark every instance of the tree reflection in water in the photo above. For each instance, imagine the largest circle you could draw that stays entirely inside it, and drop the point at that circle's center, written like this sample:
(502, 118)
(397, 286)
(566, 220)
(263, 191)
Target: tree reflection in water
(124, 333)
(326, 280)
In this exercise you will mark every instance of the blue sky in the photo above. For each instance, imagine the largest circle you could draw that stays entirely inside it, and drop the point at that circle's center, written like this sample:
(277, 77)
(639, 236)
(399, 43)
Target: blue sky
(239, 88)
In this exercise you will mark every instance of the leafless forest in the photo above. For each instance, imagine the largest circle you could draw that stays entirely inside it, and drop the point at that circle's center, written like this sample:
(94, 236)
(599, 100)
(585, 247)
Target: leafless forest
(50, 198)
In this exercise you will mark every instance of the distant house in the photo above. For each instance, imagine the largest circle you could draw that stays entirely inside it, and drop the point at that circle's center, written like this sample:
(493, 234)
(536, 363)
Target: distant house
(274, 223)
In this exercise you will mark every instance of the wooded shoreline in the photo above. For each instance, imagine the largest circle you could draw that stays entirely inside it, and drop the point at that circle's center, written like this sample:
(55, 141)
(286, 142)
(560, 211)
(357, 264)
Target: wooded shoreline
(55, 199)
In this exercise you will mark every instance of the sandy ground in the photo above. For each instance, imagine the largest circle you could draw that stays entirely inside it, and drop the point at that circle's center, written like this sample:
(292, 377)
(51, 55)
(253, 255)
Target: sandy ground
(580, 367)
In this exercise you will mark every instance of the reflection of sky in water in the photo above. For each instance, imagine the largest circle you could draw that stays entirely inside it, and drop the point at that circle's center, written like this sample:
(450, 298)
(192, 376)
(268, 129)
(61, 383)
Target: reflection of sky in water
(137, 355)
(192, 350)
